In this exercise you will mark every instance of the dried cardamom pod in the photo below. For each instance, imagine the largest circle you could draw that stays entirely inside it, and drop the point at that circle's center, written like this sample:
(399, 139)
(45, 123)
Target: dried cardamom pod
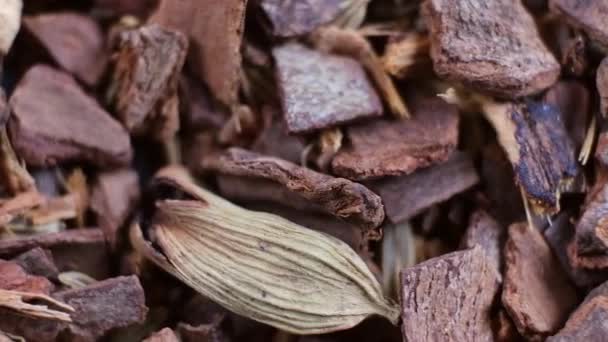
(257, 264)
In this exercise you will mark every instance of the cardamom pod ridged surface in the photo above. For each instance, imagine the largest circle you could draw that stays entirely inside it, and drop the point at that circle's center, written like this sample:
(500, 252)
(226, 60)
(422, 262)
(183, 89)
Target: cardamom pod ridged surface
(262, 266)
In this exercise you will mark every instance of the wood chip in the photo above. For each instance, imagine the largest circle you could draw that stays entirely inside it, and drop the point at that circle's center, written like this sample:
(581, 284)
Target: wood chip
(295, 18)
(573, 101)
(484, 231)
(164, 335)
(536, 292)
(145, 79)
(275, 141)
(590, 16)
(493, 47)
(52, 123)
(393, 148)
(592, 228)
(342, 92)
(74, 41)
(602, 86)
(13, 277)
(38, 261)
(199, 111)
(337, 196)
(449, 298)
(406, 196)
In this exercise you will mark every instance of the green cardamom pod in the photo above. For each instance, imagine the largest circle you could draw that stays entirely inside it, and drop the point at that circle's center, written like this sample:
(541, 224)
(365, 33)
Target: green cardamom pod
(257, 264)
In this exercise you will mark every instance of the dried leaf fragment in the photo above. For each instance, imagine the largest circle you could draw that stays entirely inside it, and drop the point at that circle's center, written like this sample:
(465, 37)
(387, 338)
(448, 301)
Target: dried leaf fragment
(259, 265)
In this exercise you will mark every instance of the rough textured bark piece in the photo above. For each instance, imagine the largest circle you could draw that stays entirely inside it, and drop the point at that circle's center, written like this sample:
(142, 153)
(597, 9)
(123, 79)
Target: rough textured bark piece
(448, 298)
(493, 46)
(573, 101)
(54, 121)
(74, 41)
(115, 195)
(296, 17)
(536, 292)
(484, 231)
(592, 228)
(112, 303)
(163, 335)
(539, 149)
(38, 261)
(393, 148)
(341, 92)
(145, 80)
(215, 54)
(588, 321)
(82, 250)
(13, 277)
(407, 196)
(590, 16)
(601, 81)
(338, 196)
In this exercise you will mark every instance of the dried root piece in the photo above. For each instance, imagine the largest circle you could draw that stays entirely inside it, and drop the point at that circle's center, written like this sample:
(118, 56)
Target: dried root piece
(351, 43)
(145, 78)
(277, 272)
(19, 302)
(493, 46)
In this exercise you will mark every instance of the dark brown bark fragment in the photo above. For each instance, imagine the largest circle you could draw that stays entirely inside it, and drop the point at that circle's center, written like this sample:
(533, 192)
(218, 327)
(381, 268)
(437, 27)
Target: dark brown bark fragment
(38, 261)
(163, 335)
(588, 321)
(574, 57)
(407, 196)
(13, 277)
(145, 79)
(115, 195)
(448, 298)
(82, 250)
(215, 55)
(74, 41)
(337, 196)
(536, 292)
(601, 82)
(320, 90)
(484, 231)
(275, 141)
(297, 17)
(394, 148)
(493, 46)
(54, 122)
(199, 111)
(592, 229)
(572, 99)
(590, 16)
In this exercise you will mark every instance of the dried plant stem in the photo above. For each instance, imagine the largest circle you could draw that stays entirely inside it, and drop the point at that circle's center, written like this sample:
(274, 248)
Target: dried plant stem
(18, 301)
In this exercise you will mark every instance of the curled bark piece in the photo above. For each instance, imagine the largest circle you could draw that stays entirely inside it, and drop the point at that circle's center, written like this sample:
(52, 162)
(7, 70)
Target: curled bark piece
(338, 196)
(258, 265)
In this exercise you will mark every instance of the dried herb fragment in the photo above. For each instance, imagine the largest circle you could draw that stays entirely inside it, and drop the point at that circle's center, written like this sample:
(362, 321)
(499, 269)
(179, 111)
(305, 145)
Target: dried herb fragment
(74, 41)
(601, 81)
(211, 332)
(38, 261)
(406, 54)
(13, 277)
(449, 298)
(587, 322)
(145, 79)
(199, 111)
(533, 281)
(278, 273)
(163, 335)
(341, 93)
(275, 141)
(10, 16)
(407, 196)
(393, 148)
(19, 302)
(338, 196)
(572, 99)
(590, 16)
(295, 18)
(539, 149)
(52, 123)
(592, 228)
(485, 232)
(493, 47)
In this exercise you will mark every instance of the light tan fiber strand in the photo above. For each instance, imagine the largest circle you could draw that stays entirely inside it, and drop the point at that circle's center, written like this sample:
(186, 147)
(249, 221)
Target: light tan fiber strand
(262, 266)
(18, 301)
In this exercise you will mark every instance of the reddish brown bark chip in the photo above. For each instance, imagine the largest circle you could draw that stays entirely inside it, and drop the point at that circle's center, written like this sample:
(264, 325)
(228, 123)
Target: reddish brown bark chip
(601, 82)
(448, 298)
(163, 335)
(145, 80)
(82, 250)
(338, 196)
(592, 228)
(38, 261)
(215, 55)
(74, 41)
(320, 90)
(115, 195)
(484, 231)
(536, 292)
(54, 121)
(393, 148)
(493, 46)
(108, 304)
(13, 277)
(407, 196)
(590, 16)
(297, 17)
